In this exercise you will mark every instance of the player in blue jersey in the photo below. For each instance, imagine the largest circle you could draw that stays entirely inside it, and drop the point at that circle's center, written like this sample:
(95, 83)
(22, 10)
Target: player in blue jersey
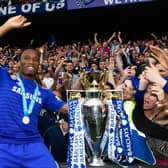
(21, 101)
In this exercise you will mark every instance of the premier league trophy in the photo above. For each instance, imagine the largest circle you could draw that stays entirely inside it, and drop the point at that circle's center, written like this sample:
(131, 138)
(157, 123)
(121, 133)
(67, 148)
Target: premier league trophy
(88, 120)
(88, 107)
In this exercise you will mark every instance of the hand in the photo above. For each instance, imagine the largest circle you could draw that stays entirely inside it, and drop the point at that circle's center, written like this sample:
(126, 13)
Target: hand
(143, 82)
(160, 55)
(14, 22)
(119, 33)
(151, 73)
(111, 65)
(18, 21)
(41, 49)
(95, 34)
(117, 51)
(158, 91)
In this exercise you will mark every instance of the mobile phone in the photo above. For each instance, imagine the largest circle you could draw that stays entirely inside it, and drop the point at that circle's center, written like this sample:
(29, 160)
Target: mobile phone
(60, 78)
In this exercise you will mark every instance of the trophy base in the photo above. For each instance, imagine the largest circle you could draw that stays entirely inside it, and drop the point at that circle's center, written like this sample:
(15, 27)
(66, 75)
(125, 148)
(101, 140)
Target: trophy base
(96, 162)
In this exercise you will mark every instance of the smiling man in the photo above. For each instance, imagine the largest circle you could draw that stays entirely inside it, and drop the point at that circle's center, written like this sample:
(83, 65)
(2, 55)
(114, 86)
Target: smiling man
(21, 101)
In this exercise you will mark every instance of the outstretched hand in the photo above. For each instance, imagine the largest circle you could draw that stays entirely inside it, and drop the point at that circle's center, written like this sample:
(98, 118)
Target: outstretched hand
(18, 21)
(14, 22)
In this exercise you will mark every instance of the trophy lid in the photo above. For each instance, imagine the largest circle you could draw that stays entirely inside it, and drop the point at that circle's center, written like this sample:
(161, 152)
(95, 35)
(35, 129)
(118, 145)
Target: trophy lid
(94, 80)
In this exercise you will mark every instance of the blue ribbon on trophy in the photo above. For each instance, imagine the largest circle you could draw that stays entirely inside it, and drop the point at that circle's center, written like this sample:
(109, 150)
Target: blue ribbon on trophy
(142, 151)
(127, 141)
(118, 142)
(111, 144)
(111, 128)
(76, 146)
(125, 133)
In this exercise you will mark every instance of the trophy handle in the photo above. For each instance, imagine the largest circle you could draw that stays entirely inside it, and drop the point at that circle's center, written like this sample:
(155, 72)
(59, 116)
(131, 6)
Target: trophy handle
(113, 94)
(103, 78)
(75, 95)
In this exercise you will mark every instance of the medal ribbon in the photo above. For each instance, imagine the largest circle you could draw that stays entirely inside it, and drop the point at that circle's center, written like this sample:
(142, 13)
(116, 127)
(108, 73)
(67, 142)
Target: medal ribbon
(27, 110)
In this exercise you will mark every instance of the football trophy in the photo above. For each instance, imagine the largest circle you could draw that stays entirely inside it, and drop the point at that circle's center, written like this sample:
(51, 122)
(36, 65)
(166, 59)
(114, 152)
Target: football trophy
(88, 110)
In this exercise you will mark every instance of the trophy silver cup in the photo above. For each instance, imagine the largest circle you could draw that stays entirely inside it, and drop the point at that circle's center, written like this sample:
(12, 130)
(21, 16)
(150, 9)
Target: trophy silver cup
(94, 114)
(95, 121)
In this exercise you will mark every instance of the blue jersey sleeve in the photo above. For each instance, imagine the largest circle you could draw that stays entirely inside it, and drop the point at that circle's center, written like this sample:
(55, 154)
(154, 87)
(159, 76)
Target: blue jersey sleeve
(4, 75)
(51, 102)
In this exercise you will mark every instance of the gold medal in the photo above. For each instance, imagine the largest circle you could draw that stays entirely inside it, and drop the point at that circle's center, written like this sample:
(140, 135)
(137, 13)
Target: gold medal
(25, 120)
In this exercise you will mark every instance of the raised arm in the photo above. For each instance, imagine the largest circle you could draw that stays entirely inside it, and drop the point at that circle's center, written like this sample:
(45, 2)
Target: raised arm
(13, 22)
(111, 37)
(95, 39)
(119, 37)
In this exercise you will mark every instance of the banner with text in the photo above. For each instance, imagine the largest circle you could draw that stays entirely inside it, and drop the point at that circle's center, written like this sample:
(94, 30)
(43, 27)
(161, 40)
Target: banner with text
(78, 4)
(29, 8)
(55, 5)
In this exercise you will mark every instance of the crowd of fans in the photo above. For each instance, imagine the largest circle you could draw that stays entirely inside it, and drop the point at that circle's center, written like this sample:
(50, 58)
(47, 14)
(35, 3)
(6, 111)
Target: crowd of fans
(139, 67)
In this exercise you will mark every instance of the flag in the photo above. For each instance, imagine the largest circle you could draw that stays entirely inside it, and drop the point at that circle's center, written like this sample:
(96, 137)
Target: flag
(51, 41)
